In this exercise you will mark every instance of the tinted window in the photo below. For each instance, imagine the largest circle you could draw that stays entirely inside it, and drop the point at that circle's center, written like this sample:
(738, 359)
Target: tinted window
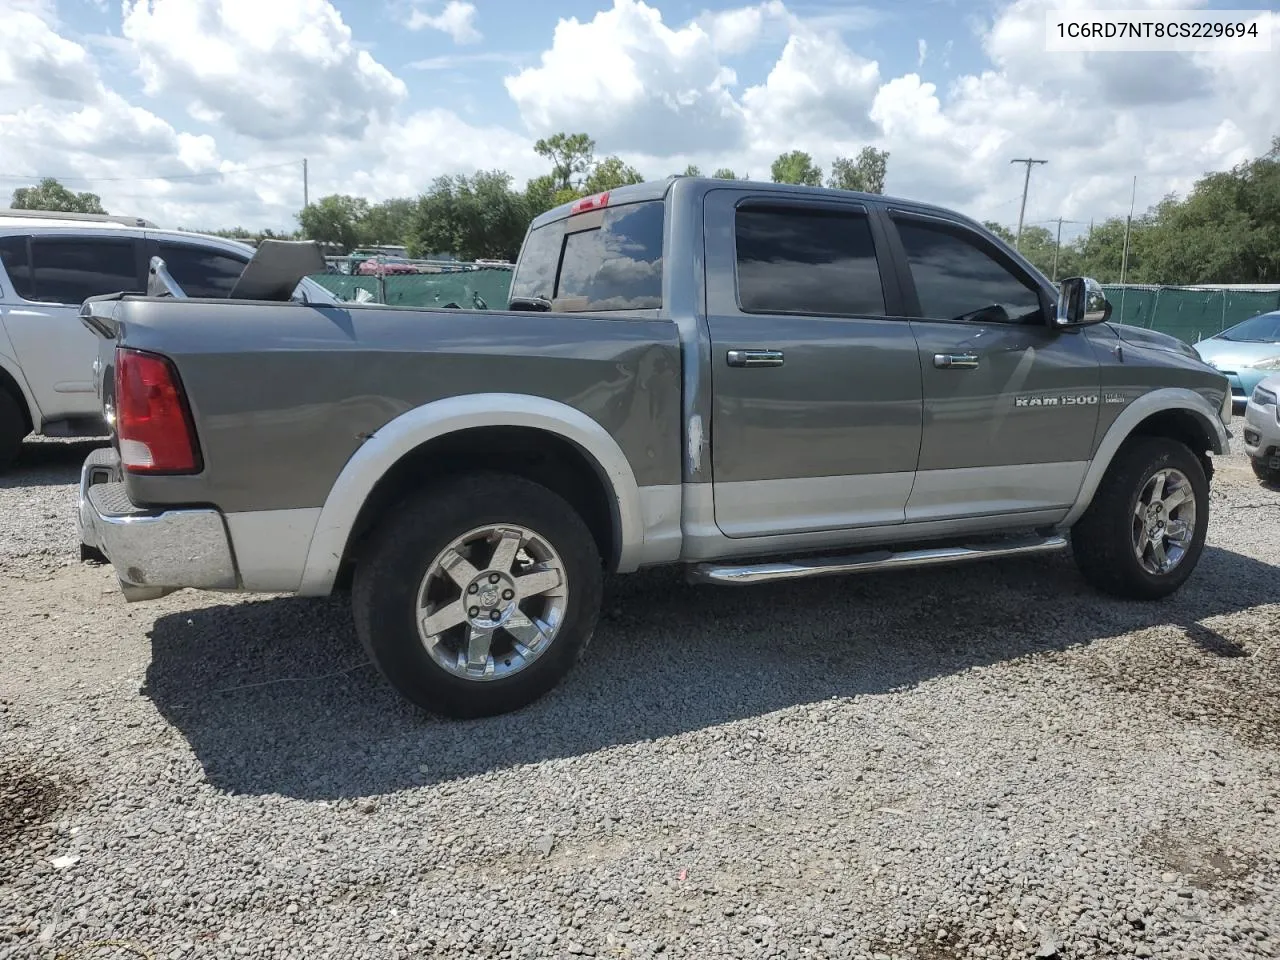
(13, 254)
(200, 272)
(539, 258)
(617, 266)
(72, 270)
(954, 277)
(807, 261)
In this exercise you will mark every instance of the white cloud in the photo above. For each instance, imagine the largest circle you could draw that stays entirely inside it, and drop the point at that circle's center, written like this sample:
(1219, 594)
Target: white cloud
(38, 63)
(265, 70)
(818, 90)
(738, 30)
(267, 83)
(457, 19)
(633, 82)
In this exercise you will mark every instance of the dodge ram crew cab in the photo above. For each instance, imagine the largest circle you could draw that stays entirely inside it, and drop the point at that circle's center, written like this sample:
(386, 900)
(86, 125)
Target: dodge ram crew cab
(759, 382)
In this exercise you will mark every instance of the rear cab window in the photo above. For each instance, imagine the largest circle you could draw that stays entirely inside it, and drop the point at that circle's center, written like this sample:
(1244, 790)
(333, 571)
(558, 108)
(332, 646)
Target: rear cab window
(602, 260)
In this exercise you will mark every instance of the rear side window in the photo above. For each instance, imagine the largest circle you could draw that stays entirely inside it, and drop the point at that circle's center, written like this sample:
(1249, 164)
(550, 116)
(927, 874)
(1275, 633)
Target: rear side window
(807, 261)
(616, 264)
(70, 270)
(201, 272)
(13, 254)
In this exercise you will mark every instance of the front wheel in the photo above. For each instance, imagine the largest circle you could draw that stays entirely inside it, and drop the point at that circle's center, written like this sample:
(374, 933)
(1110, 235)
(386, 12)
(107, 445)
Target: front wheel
(1144, 532)
(478, 595)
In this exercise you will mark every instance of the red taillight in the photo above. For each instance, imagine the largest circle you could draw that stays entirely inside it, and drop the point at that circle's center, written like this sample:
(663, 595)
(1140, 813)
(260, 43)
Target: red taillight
(153, 423)
(594, 202)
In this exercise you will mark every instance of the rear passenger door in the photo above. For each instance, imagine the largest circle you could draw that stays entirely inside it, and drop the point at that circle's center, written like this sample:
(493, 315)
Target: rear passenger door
(1010, 401)
(50, 277)
(816, 393)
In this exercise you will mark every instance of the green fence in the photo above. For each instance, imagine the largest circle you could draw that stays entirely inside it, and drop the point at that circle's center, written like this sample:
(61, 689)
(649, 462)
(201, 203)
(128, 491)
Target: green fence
(484, 289)
(1188, 313)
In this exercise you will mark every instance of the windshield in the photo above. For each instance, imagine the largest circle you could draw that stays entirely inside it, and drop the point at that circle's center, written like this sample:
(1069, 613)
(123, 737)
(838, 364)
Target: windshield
(1261, 329)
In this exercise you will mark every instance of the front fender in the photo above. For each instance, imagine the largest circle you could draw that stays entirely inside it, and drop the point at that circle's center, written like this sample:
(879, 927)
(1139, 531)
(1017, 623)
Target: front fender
(1144, 407)
(412, 429)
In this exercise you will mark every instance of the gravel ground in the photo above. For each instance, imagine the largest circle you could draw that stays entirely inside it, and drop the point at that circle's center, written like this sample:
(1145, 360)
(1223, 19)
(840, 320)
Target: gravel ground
(990, 761)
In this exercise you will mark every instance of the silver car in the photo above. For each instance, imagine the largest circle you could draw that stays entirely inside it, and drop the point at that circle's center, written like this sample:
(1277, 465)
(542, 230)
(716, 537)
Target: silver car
(1262, 430)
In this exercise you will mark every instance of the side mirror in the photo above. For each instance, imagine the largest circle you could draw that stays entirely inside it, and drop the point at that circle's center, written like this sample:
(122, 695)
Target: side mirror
(1081, 303)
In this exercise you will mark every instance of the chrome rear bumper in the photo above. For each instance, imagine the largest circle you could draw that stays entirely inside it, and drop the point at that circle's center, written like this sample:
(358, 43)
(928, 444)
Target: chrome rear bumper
(153, 552)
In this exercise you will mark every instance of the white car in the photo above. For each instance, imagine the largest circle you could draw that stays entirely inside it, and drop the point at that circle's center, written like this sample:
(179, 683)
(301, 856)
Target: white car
(1262, 429)
(50, 263)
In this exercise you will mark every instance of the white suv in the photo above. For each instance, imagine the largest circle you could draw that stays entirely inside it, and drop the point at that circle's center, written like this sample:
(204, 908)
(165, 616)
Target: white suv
(49, 264)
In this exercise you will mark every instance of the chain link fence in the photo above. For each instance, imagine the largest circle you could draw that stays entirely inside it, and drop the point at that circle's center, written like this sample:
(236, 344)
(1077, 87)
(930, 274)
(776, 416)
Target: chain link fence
(1189, 313)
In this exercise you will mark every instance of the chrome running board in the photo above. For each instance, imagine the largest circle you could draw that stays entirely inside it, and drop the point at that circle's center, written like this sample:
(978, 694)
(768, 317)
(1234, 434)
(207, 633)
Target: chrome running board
(744, 574)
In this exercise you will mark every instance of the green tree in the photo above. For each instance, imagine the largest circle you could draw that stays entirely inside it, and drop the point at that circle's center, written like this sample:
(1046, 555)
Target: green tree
(609, 173)
(53, 196)
(335, 219)
(571, 156)
(724, 173)
(692, 170)
(476, 217)
(1004, 233)
(864, 173)
(796, 167)
(386, 222)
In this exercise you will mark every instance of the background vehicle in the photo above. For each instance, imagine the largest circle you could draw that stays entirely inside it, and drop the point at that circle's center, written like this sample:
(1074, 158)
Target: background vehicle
(49, 264)
(741, 378)
(1245, 353)
(1262, 429)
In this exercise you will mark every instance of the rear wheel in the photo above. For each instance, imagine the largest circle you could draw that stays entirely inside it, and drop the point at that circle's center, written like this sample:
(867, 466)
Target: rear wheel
(478, 595)
(13, 428)
(1144, 532)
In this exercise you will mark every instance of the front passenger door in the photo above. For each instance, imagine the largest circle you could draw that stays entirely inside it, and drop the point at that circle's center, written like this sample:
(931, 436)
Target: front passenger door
(1010, 401)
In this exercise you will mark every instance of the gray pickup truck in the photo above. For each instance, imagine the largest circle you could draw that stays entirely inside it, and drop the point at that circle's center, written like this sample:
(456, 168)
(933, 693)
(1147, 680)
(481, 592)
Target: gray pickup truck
(756, 381)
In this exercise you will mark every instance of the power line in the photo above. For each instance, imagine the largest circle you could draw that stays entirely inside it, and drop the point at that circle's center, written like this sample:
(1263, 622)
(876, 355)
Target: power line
(176, 176)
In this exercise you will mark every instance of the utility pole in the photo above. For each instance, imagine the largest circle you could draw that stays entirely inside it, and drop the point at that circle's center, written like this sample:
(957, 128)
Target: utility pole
(306, 193)
(1026, 183)
(1058, 244)
(1124, 257)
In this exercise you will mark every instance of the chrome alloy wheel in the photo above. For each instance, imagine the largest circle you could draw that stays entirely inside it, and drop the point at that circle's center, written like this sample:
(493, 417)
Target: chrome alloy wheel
(492, 602)
(1164, 521)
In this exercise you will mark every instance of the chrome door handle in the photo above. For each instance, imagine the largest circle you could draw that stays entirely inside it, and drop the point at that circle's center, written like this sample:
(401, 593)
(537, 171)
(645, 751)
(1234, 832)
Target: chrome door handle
(955, 361)
(754, 358)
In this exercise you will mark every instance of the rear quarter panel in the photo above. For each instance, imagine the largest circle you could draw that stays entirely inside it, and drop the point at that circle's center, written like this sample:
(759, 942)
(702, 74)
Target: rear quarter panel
(283, 394)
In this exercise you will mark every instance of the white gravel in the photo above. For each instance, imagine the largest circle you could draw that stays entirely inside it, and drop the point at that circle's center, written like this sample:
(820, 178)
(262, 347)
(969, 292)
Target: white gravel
(990, 761)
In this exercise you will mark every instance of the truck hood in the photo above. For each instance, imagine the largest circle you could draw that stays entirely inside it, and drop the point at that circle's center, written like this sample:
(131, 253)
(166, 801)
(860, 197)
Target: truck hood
(1153, 339)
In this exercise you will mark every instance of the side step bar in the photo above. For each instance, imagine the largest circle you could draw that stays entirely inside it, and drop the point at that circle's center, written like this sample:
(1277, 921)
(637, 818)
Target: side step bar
(745, 574)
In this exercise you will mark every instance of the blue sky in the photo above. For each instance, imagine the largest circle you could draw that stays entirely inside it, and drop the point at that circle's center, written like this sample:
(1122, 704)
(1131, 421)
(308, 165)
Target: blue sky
(222, 98)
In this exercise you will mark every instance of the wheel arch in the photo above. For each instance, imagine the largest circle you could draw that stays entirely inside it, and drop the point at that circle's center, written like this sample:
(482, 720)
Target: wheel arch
(440, 438)
(11, 381)
(1173, 412)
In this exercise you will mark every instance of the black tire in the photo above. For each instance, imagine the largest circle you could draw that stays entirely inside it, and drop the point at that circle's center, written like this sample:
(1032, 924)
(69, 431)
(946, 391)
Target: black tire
(1268, 475)
(1102, 540)
(13, 428)
(395, 561)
